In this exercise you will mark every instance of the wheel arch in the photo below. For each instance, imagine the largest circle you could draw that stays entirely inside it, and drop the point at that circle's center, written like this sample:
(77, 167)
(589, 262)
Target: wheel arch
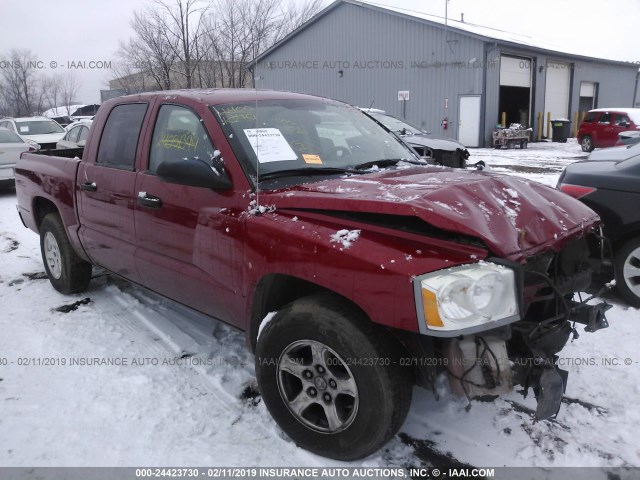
(41, 208)
(632, 232)
(276, 290)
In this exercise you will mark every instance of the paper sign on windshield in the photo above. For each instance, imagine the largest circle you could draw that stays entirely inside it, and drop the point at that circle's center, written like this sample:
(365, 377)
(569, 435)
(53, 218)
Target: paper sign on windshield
(269, 145)
(24, 129)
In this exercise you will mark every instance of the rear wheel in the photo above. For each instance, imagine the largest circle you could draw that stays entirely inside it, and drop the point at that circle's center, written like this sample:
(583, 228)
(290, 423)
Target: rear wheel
(67, 272)
(523, 144)
(511, 144)
(628, 269)
(330, 379)
(586, 143)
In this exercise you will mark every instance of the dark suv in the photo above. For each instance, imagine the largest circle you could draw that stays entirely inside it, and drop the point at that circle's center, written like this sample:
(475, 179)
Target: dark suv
(600, 127)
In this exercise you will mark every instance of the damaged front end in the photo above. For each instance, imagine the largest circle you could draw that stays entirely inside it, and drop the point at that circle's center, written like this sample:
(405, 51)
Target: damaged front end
(492, 336)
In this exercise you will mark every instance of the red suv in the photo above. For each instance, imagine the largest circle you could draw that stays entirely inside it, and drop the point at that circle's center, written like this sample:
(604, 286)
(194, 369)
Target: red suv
(600, 127)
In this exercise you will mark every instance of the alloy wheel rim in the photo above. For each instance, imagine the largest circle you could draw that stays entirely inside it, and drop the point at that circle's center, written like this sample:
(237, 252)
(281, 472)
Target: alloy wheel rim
(52, 255)
(317, 386)
(631, 271)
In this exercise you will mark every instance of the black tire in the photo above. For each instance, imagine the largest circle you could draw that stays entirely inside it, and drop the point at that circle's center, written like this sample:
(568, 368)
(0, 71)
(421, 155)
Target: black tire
(379, 395)
(511, 144)
(523, 144)
(67, 272)
(628, 271)
(586, 143)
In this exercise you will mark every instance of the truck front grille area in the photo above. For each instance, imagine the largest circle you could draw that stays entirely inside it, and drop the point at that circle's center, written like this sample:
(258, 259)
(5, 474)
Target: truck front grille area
(551, 279)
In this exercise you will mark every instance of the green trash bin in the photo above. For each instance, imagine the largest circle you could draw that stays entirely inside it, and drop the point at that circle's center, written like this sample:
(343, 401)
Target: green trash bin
(561, 130)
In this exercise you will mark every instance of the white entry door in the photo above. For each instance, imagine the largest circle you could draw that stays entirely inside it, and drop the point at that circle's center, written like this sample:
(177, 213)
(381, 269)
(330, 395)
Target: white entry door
(469, 120)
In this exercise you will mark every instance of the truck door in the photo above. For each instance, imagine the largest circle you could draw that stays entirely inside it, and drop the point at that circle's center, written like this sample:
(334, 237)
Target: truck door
(106, 198)
(189, 239)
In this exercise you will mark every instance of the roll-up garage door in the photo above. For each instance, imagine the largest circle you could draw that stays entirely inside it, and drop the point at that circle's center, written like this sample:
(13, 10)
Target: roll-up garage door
(515, 71)
(556, 92)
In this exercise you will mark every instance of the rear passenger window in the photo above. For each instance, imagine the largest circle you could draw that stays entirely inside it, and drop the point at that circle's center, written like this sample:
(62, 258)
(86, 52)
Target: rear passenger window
(179, 135)
(84, 132)
(119, 139)
(72, 136)
(621, 119)
(605, 118)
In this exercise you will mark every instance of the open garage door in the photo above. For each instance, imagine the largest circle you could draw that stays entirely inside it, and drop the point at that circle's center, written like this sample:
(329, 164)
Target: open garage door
(556, 92)
(515, 90)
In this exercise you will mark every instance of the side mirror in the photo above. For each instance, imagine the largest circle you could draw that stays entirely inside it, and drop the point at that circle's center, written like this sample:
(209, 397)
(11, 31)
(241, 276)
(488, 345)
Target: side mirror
(194, 173)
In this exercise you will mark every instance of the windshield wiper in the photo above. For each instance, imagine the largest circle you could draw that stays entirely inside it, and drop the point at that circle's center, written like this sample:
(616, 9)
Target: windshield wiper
(294, 172)
(377, 163)
(387, 163)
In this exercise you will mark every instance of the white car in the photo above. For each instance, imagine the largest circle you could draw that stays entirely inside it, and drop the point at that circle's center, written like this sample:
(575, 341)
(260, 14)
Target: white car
(76, 135)
(11, 146)
(42, 130)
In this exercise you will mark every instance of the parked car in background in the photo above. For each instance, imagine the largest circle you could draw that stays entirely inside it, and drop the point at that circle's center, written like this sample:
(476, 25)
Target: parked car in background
(44, 131)
(628, 138)
(63, 120)
(601, 127)
(76, 135)
(11, 146)
(443, 151)
(609, 182)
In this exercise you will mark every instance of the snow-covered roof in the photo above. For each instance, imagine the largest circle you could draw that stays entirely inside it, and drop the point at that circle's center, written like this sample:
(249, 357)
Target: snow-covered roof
(481, 31)
(62, 111)
(634, 113)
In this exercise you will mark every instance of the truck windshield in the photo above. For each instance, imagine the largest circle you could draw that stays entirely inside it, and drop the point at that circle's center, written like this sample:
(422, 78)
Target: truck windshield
(290, 135)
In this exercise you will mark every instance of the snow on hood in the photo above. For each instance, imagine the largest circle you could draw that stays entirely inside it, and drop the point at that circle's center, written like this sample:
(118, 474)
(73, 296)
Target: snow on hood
(514, 217)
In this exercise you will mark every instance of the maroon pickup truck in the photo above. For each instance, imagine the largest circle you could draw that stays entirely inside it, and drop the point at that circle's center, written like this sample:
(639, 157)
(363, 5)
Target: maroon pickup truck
(355, 269)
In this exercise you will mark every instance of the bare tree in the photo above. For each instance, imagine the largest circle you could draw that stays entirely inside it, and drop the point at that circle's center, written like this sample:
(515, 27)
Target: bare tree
(294, 15)
(183, 26)
(68, 90)
(51, 90)
(203, 43)
(19, 84)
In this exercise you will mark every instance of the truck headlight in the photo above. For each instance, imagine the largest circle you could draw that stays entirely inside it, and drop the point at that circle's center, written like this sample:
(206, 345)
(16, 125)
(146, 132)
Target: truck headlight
(469, 297)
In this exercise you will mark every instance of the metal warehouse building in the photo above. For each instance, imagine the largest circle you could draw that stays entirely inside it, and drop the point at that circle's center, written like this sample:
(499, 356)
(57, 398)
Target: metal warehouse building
(435, 72)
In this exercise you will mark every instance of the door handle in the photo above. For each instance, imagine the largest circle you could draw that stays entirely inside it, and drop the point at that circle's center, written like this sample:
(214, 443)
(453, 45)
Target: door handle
(149, 200)
(89, 187)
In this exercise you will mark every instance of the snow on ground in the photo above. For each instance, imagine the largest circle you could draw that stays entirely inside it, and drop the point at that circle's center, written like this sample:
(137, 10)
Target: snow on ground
(162, 385)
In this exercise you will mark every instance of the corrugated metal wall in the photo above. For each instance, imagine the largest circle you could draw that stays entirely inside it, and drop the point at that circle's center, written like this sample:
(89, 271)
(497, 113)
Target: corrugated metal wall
(380, 53)
(417, 59)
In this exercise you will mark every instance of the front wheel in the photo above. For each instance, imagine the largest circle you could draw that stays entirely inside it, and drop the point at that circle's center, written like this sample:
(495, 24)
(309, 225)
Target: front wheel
(67, 272)
(586, 143)
(330, 379)
(628, 268)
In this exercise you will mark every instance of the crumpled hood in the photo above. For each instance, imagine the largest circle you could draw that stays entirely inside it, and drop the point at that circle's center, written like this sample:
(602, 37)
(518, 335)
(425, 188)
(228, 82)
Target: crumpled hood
(514, 217)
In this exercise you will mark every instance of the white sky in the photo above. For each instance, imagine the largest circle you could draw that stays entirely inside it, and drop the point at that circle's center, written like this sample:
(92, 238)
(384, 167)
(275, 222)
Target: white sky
(64, 31)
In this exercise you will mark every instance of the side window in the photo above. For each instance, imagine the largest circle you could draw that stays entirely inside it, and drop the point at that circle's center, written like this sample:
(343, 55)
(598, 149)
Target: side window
(621, 118)
(72, 136)
(178, 135)
(590, 117)
(119, 139)
(605, 118)
(84, 131)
